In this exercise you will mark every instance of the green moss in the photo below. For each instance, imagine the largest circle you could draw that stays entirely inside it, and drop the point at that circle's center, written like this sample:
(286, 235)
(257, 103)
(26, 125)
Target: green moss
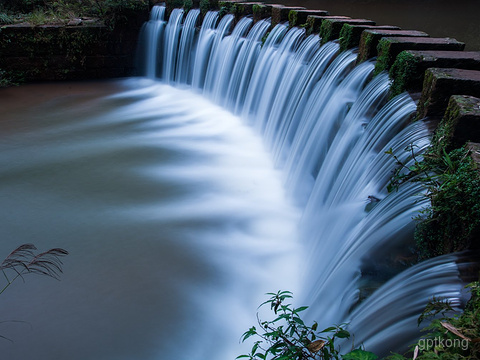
(346, 34)
(326, 31)
(293, 18)
(204, 6)
(424, 102)
(222, 12)
(404, 73)
(238, 9)
(264, 38)
(187, 5)
(384, 56)
(365, 45)
(444, 133)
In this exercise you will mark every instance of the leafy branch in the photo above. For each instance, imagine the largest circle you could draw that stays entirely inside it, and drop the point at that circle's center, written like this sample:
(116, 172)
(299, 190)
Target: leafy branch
(452, 185)
(287, 337)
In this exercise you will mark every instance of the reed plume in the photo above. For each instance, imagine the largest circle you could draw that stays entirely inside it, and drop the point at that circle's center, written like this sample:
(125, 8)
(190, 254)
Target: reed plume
(25, 260)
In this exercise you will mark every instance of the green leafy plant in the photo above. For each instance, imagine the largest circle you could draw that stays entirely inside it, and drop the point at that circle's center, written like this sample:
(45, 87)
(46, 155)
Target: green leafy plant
(448, 336)
(452, 185)
(6, 19)
(287, 337)
(59, 11)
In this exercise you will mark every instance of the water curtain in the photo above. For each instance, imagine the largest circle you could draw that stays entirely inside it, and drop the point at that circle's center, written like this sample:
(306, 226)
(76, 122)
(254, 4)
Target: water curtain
(327, 124)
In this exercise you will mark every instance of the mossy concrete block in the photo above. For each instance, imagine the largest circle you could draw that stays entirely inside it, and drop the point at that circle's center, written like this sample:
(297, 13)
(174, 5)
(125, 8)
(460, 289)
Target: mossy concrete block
(330, 28)
(388, 48)
(299, 17)
(439, 84)
(314, 22)
(207, 5)
(351, 34)
(409, 68)
(241, 9)
(459, 125)
(281, 13)
(173, 4)
(371, 37)
(258, 10)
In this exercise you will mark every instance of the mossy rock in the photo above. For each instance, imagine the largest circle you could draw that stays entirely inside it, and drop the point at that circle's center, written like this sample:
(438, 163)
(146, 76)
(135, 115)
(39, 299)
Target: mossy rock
(384, 56)
(326, 31)
(460, 124)
(405, 73)
(293, 18)
(346, 37)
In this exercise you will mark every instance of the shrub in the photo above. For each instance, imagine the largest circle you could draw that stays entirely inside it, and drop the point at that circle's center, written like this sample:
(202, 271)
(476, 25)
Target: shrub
(287, 337)
(452, 184)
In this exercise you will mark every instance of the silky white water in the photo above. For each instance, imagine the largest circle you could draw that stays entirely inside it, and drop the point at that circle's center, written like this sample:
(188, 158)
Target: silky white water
(173, 215)
(243, 163)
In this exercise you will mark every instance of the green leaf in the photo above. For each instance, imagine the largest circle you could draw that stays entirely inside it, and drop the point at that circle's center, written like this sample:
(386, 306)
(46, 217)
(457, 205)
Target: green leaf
(359, 354)
(252, 331)
(301, 308)
(342, 334)
(329, 329)
(298, 320)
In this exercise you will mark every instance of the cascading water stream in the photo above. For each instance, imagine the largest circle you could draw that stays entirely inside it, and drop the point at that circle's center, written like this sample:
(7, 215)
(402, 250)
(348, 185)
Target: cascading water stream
(175, 217)
(328, 126)
(153, 32)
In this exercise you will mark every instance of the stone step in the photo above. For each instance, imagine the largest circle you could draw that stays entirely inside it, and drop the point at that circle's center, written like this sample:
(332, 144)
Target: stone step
(370, 38)
(244, 9)
(299, 17)
(281, 13)
(390, 47)
(314, 22)
(259, 10)
(409, 68)
(350, 34)
(330, 28)
(460, 124)
(440, 84)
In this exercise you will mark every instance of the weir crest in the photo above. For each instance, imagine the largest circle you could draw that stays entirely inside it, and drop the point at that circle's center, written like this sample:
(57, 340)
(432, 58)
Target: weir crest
(328, 120)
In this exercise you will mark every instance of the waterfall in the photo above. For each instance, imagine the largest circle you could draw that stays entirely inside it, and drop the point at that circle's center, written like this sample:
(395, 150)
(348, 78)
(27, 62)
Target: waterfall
(327, 124)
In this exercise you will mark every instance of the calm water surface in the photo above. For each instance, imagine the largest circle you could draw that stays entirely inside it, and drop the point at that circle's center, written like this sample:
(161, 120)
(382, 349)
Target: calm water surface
(173, 215)
(439, 18)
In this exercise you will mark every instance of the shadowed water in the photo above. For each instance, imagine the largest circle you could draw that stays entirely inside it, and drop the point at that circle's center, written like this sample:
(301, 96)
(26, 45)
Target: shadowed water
(169, 207)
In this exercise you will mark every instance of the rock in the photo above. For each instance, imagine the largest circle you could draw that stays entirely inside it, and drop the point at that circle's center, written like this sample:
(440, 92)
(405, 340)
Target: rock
(460, 124)
(330, 28)
(370, 38)
(350, 34)
(281, 13)
(314, 22)
(440, 84)
(299, 17)
(409, 68)
(389, 47)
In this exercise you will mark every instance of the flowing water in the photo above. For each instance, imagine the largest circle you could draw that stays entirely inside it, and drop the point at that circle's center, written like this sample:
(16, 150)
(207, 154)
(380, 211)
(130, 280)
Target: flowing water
(232, 169)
